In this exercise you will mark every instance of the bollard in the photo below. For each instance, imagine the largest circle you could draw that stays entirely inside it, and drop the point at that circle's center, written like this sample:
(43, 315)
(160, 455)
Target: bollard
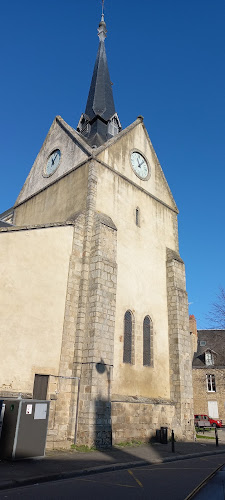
(216, 435)
(172, 442)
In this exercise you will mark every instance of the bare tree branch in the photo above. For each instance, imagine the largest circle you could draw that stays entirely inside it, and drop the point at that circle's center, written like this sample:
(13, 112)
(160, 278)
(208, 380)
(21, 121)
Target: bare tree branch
(216, 315)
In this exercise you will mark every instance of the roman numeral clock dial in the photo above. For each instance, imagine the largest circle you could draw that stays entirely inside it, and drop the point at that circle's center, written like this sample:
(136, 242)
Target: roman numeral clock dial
(140, 165)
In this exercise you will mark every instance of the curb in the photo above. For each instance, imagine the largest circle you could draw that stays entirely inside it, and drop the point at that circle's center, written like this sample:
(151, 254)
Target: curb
(17, 483)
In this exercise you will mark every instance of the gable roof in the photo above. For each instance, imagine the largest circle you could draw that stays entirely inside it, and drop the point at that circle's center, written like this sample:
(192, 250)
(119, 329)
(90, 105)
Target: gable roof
(215, 342)
(74, 151)
(119, 137)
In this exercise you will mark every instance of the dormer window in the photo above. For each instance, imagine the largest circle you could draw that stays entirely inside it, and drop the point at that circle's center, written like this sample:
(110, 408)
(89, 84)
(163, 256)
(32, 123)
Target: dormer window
(113, 127)
(208, 358)
(84, 126)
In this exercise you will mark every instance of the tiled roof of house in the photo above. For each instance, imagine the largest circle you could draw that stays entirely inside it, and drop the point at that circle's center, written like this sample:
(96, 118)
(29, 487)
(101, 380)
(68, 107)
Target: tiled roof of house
(214, 341)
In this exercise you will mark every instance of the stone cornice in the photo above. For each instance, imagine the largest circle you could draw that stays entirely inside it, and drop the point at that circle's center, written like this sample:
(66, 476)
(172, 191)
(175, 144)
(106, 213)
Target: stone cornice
(136, 186)
(117, 398)
(36, 226)
(109, 168)
(209, 368)
(83, 162)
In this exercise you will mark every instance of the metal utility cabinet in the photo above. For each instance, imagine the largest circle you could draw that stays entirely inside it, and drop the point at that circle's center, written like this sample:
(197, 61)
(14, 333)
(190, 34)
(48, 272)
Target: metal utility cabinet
(24, 428)
(2, 410)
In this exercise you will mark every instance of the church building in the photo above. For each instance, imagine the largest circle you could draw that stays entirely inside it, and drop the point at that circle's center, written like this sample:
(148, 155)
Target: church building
(93, 301)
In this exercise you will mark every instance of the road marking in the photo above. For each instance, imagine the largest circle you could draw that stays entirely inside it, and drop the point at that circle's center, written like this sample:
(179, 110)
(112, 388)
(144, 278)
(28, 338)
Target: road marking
(137, 480)
(105, 482)
(175, 469)
(204, 459)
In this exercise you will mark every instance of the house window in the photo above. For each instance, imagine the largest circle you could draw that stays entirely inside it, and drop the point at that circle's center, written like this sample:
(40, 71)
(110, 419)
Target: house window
(208, 358)
(210, 382)
(128, 338)
(202, 343)
(146, 341)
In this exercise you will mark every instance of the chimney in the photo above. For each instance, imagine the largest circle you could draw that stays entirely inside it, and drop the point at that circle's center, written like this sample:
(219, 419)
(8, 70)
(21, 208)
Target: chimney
(193, 332)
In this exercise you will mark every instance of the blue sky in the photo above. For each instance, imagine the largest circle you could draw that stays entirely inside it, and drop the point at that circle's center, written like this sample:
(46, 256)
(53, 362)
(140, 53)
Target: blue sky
(166, 62)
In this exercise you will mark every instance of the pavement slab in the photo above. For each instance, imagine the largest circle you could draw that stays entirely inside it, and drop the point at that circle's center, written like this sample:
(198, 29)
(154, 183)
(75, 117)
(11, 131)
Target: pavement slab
(60, 464)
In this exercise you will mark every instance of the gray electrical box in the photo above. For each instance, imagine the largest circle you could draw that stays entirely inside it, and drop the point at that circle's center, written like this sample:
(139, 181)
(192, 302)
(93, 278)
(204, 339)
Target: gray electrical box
(24, 428)
(2, 410)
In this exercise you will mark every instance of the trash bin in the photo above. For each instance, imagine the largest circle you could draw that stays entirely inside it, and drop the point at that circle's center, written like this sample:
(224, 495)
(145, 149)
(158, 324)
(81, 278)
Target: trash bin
(24, 428)
(163, 432)
(158, 435)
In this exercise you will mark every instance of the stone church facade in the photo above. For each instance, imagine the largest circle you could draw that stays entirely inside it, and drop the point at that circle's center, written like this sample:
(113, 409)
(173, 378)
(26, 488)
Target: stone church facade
(94, 310)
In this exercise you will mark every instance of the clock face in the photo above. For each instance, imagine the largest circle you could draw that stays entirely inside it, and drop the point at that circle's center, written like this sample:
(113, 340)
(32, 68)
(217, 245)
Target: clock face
(139, 165)
(53, 162)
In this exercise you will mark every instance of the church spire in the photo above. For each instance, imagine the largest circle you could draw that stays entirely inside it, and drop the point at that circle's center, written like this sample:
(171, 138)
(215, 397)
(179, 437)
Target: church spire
(100, 121)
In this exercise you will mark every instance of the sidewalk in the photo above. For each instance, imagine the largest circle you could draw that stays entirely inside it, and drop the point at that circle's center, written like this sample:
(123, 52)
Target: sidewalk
(65, 464)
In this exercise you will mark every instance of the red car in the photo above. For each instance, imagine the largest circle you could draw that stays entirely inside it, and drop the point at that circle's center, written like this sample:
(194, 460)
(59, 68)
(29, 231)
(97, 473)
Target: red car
(212, 422)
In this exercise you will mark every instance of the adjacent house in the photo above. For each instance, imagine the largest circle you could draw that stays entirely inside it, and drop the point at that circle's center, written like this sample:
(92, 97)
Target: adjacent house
(209, 374)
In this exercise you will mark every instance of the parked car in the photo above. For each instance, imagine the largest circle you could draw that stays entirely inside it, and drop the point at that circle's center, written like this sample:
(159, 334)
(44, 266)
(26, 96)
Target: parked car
(207, 421)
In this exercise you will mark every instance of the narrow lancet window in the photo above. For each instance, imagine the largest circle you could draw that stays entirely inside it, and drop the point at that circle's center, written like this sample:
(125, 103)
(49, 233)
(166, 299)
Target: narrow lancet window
(147, 341)
(127, 345)
(137, 217)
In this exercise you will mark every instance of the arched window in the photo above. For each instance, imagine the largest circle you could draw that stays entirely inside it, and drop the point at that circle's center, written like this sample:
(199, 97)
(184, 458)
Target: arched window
(147, 341)
(128, 340)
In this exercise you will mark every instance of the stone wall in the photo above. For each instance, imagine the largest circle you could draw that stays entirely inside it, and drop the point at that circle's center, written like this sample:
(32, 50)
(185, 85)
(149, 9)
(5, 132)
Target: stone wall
(88, 334)
(180, 347)
(138, 418)
(98, 347)
(64, 387)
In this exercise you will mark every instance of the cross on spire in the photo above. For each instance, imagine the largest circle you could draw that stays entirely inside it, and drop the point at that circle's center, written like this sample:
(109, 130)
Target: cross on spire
(102, 26)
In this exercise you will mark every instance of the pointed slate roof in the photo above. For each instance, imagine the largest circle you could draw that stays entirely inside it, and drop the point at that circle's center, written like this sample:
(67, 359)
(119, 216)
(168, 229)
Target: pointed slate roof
(100, 108)
(100, 99)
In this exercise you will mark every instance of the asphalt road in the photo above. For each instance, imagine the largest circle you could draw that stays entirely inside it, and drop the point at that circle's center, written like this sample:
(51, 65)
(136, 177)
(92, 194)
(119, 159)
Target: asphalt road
(213, 489)
(173, 481)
